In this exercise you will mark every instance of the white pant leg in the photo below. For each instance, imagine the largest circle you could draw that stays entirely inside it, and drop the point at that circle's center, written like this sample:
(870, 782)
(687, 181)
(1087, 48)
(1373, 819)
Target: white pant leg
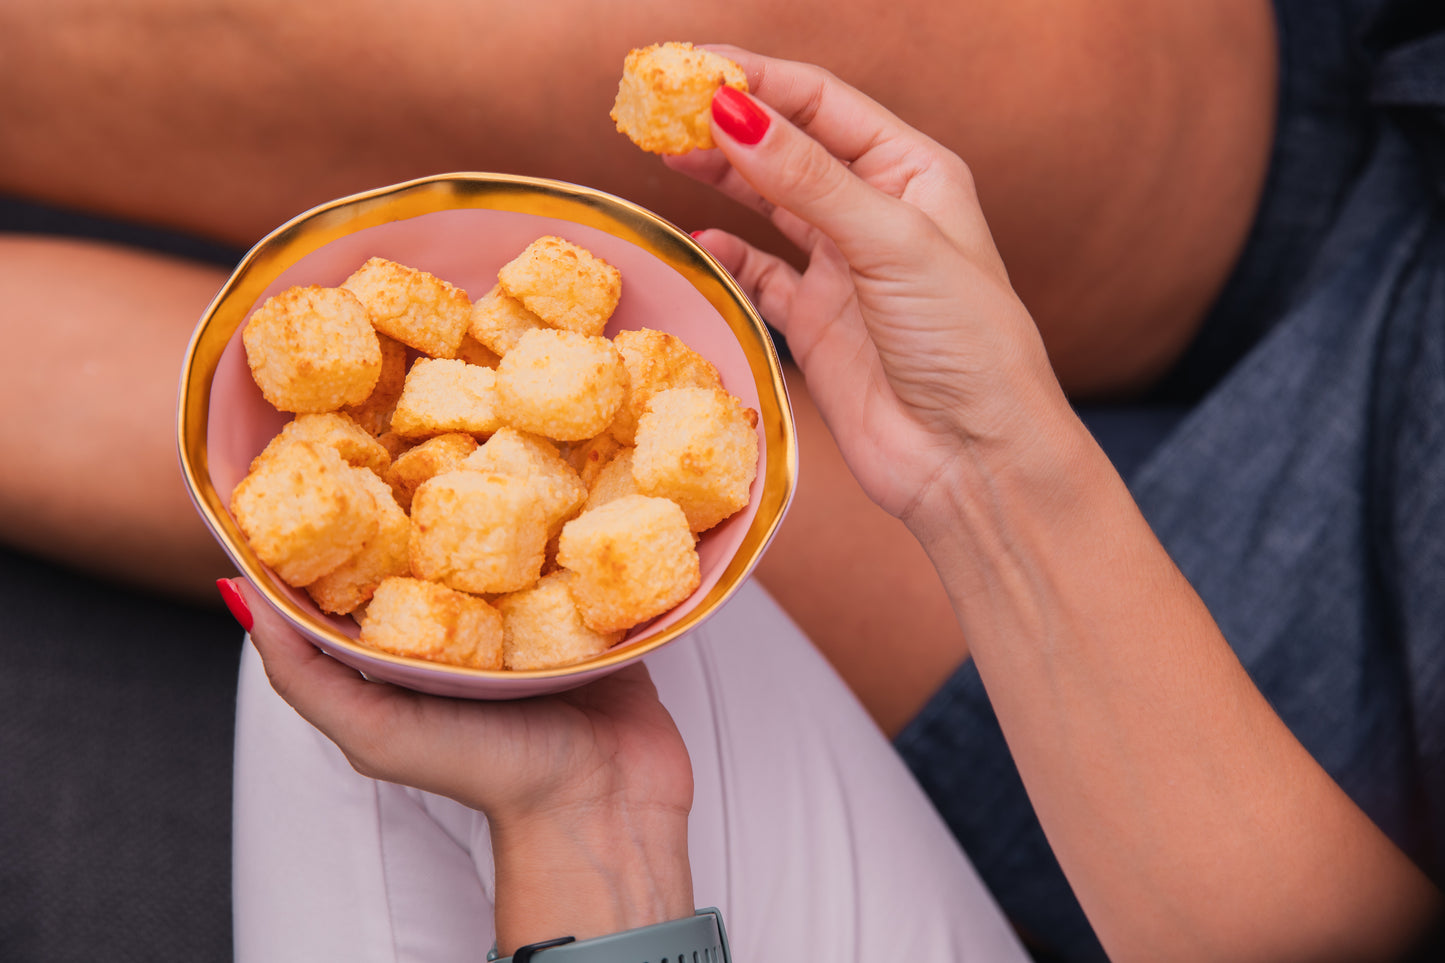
(807, 830)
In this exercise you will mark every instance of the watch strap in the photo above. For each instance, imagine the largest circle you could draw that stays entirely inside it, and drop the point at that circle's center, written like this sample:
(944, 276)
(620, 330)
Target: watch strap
(694, 939)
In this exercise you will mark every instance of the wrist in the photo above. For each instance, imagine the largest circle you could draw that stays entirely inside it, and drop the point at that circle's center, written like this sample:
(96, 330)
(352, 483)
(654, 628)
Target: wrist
(589, 871)
(1006, 486)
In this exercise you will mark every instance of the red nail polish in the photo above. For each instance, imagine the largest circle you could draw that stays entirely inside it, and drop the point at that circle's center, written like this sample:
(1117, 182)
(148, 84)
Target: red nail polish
(740, 118)
(235, 602)
(696, 235)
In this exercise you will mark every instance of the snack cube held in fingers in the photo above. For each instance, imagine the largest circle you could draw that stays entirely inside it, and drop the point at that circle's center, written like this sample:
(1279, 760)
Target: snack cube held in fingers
(664, 100)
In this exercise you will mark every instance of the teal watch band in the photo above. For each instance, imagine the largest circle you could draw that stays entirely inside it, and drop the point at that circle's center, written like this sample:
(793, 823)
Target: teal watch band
(695, 939)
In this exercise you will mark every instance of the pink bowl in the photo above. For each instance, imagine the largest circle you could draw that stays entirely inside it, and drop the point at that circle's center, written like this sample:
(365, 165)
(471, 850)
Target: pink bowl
(463, 228)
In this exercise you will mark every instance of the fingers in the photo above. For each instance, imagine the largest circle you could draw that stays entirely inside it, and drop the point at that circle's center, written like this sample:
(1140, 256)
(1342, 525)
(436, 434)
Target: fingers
(847, 122)
(864, 139)
(712, 168)
(769, 281)
(350, 711)
(796, 172)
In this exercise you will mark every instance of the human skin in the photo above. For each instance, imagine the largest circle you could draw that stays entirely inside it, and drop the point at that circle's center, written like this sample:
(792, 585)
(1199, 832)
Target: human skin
(1118, 148)
(586, 793)
(1189, 821)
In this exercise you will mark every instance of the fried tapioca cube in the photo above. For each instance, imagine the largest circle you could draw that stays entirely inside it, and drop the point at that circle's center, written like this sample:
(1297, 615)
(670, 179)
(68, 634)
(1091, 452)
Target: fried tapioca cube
(312, 349)
(384, 555)
(564, 284)
(634, 559)
(542, 629)
(414, 307)
(499, 320)
(432, 457)
(698, 447)
(423, 620)
(664, 99)
(612, 482)
(656, 361)
(561, 385)
(335, 430)
(374, 414)
(560, 492)
(304, 511)
(477, 532)
(589, 457)
(442, 396)
(474, 352)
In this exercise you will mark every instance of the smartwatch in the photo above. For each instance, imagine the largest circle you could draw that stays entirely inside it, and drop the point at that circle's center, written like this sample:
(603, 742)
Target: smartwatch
(699, 938)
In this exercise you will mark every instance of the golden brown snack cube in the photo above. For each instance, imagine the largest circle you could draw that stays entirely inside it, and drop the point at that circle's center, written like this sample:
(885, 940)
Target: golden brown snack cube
(589, 457)
(432, 457)
(443, 395)
(542, 629)
(664, 100)
(634, 559)
(561, 385)
(656, 361)
(477, 532)
(335, 430)
(384, 555)
(424, 620)
(499, 320)
(536, 460)
(564, 284)
(304, 511)
(374, 414)
(612, 482)
(312, 349)
(698, 447)
(474, 352)
(414, 307)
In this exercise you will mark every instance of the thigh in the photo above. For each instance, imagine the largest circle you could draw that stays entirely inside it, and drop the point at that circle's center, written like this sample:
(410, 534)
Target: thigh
(807, 831)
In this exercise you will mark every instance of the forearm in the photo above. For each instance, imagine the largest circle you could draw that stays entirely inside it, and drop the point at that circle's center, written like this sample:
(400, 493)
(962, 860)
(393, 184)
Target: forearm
(589, 874)
(96, 336)
(1188, 819)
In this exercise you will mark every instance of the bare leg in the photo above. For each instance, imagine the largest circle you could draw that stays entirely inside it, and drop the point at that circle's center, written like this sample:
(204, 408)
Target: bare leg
(859, 584)
(1119, 146)
(88, 380)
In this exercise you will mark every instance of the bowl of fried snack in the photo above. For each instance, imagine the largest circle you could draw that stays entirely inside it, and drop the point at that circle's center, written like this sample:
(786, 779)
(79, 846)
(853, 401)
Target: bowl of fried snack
(486, 436)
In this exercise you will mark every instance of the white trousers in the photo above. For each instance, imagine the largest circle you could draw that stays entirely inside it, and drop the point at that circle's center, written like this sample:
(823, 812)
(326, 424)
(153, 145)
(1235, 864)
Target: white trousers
(807, 831)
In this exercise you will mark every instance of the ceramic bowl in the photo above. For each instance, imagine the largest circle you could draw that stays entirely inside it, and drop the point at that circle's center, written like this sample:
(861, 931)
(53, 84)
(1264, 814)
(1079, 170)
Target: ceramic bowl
(463, 228)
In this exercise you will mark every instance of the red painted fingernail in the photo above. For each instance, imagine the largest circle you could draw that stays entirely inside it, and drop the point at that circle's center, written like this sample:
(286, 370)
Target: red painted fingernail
(235, 602)
(740, 118)
(696, 235)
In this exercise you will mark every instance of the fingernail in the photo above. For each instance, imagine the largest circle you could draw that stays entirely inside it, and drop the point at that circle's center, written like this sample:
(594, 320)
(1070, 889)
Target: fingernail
(235, 602)
(696, 235)
(742, 120)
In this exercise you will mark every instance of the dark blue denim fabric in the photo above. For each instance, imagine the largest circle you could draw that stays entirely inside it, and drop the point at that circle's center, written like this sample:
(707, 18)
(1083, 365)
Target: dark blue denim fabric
(1304, 493)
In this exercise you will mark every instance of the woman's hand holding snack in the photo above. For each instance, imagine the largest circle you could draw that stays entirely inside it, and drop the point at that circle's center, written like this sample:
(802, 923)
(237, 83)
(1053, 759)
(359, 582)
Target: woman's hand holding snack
(1190, 821)
(586, 793)
(916, 348)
